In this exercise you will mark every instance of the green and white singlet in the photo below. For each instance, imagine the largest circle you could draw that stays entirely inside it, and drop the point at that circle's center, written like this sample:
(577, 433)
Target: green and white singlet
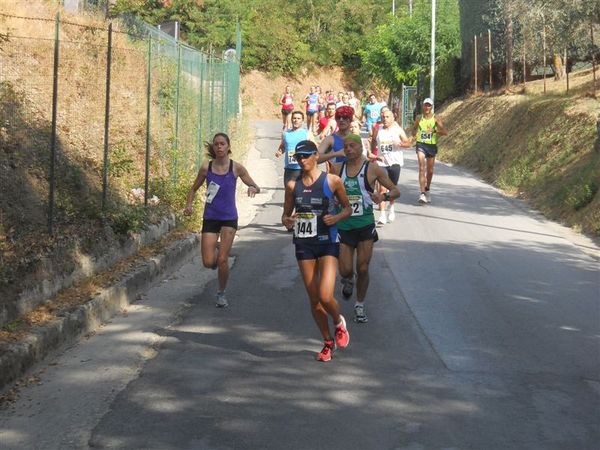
(357, 189)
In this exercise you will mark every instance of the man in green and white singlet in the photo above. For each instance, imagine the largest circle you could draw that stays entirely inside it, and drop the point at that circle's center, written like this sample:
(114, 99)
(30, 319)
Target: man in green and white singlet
(357, 232)
(426, 129)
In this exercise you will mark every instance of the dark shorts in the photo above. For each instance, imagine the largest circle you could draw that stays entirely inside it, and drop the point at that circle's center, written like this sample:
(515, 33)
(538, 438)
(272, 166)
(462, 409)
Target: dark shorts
(353, 237)
(430, 150)
(214, 226)
(311, 113)
(393, 172)
(316, 251)
(285, 112)
(290, 175)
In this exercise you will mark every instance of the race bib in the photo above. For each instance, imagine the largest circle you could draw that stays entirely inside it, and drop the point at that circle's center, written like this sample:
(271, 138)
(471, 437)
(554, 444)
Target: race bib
(426, 136)
(291, 158)
(211, 191)
(288, 100)
(385, 148)
(306, 225)
(356, 203)
(374, 115)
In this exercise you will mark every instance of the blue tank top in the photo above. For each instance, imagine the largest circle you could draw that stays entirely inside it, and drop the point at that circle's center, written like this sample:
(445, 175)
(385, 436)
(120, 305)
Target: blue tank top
(373, 112)
(313, 102)
(220, 195)
(290, 139)
(338, 144)
(312, 203)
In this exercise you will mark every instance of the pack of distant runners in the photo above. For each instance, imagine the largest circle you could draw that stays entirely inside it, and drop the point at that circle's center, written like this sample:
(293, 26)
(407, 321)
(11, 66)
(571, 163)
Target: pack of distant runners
(334, 180)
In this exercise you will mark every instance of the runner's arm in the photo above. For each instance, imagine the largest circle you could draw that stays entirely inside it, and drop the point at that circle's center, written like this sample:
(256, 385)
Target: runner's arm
(416, 126)
(287, 218)
(440, 128)
(339, 191)
(280, 149)
(381, 176)
(197, 183)
(253, 188)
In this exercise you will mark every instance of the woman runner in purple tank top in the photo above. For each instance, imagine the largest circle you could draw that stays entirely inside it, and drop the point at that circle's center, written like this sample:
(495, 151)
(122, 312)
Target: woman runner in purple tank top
(220, 212)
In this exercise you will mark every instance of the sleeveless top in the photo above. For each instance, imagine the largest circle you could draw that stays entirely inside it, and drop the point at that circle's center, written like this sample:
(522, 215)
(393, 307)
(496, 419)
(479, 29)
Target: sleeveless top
(290, 139)
(373, 112)
(386, 148)
(427, 137)
(313, 103)
(312, 203)
(220, 195)
(338, 144)
(286, 102)
(357, 189)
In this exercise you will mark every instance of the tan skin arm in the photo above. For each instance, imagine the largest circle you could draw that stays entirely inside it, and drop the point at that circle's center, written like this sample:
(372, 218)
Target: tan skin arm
(376, 173)
(288, 219)
(326, 144)
(373, 143)
(241, 172)
(280, 149)
(337, 186)
(192, 192)
(439, 129)
(416, 125)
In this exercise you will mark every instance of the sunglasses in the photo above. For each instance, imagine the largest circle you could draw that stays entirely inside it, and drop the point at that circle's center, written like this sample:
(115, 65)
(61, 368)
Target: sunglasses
(302, 156)
(343, 117)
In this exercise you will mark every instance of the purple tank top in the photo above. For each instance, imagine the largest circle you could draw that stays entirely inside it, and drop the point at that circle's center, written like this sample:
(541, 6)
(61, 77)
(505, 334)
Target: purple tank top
(220, 195)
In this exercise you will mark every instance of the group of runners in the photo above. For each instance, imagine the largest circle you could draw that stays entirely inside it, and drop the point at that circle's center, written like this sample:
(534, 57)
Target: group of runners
(331, 188)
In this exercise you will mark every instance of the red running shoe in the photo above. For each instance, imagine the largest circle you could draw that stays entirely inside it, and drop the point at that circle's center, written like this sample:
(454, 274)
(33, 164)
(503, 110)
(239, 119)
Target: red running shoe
(327, 352)
(342, 337)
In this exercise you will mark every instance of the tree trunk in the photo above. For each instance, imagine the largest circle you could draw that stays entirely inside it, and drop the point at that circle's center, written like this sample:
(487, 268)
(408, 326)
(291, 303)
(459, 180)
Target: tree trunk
(509, 52)
(558, 67)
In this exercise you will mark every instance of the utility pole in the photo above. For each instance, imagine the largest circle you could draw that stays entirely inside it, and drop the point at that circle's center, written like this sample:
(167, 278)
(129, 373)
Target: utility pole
(544, 48)
(490, 58)
(476, 84)
(410, 8)
(593, 59)
(432, 82)
(394, 7)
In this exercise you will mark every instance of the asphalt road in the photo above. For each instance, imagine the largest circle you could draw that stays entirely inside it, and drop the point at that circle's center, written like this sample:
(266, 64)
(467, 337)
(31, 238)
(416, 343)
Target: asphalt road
(483, 333)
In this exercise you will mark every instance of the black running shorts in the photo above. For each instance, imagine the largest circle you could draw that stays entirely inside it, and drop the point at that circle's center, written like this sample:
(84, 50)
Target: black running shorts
(214, 226)
(351, 238)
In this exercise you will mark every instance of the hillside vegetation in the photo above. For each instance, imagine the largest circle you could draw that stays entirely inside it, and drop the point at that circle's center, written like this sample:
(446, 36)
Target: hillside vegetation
(545, 149)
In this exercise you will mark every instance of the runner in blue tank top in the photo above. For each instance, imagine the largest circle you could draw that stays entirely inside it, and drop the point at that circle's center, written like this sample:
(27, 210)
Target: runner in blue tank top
(310, 210)
(220, 212)
(331, 148)
(287, 146)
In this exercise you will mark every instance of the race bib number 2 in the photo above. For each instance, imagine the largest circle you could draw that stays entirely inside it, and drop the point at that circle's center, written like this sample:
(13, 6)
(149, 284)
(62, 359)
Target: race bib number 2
(306, 225)
(356, 203)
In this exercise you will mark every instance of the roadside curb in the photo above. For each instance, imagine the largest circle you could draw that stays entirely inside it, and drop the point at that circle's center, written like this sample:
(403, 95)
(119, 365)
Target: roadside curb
(17, 358)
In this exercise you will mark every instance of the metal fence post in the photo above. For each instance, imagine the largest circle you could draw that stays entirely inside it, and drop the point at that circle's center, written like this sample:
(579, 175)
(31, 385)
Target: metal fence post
(51, 177)
(212, 92)
(200, 98)
(148, 94)
(107, 117)
(177, 95)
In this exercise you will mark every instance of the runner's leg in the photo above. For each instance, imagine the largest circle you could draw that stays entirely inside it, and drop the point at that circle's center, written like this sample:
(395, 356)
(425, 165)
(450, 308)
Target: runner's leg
(209, 249)
(364, 251)
(309, 269)
(227, 236)
(421, 158)
(430, 164)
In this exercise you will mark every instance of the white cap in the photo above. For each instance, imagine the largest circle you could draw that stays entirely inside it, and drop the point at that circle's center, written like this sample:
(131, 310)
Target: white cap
(428, 100)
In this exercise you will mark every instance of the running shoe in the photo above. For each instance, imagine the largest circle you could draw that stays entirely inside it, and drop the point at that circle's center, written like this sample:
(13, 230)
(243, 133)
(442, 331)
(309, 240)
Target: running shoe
(221, 300)
(327, 353)
(382, 218)
(359, 314)
(347, 287)
(428, 196)
(391, 215)
(422, 198)
(342, 337)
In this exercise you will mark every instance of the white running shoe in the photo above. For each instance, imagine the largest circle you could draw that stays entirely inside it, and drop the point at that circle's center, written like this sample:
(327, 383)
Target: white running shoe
(382, 218)
(391, 214)
(221, 300)
(359, 314)
(428, 196)
(422, 198)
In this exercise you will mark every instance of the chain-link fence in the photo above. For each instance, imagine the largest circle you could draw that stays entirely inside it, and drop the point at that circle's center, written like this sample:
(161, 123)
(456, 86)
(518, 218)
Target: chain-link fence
(91, 114)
